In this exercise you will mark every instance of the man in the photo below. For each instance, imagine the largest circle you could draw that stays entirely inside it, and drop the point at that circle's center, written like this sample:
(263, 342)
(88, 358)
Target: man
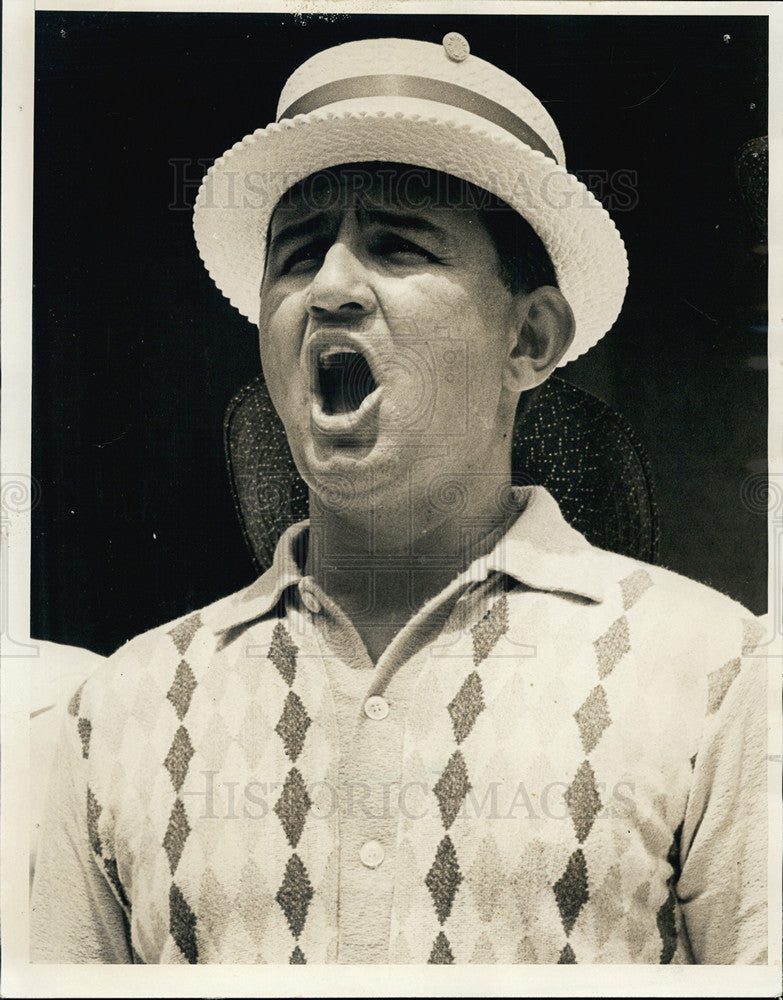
(442, 727)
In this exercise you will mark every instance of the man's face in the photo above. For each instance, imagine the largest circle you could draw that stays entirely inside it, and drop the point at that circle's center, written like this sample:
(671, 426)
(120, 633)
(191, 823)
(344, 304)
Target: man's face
(384, 330)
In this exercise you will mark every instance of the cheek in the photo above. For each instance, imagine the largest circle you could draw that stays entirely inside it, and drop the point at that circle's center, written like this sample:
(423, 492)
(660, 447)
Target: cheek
(276, 323)
(476, 323)
(279, 340)
(478, 299)
(278, 376)
(465, 324)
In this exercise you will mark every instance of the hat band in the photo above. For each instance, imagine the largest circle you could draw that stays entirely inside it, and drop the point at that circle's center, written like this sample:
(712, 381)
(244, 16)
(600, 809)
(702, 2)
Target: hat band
(423, 87)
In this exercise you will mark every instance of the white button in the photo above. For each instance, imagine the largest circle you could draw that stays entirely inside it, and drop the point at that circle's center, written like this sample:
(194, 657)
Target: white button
(376, 708)
(310, 601)
(371, 854)
(456, 46)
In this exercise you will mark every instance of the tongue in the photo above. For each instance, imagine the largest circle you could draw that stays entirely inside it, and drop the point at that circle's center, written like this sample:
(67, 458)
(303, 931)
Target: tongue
(345, 381)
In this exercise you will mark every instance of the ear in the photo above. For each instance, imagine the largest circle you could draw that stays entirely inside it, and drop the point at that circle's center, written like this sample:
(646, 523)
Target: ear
(542, 331)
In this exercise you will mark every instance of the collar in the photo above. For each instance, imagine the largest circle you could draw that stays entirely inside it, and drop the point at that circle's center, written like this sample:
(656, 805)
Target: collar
(540, 550)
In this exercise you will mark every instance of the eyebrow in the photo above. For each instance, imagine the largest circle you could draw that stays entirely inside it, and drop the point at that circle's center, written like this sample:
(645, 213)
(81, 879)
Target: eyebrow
(402, 220)
(396, 220)
(304, 227)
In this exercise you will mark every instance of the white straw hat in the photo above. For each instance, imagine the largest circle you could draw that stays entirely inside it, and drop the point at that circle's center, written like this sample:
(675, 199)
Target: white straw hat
(434, 106)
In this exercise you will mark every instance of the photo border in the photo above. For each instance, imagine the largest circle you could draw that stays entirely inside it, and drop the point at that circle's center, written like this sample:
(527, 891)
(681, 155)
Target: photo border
(19, 978)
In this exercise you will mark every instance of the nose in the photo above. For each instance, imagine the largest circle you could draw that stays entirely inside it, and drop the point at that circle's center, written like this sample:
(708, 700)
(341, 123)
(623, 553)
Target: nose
(341, 287)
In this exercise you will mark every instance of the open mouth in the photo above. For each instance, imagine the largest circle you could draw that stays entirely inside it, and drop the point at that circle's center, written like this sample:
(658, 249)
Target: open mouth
(344, 380)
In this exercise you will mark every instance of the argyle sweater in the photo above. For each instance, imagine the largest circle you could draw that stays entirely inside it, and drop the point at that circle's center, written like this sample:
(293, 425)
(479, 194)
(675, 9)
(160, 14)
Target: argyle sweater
(577, 752)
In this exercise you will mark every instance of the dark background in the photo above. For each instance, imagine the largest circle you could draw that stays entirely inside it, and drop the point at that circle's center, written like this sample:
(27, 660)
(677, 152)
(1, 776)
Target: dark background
(136, 354)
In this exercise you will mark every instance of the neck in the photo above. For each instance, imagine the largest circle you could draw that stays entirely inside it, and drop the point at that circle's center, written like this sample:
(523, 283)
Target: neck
(383, 561)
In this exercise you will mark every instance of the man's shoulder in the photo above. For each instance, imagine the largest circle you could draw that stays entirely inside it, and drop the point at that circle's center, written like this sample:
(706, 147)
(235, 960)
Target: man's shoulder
(674, 611)
(546, 553)
(150, 656)
(681, 641)
(630, 578)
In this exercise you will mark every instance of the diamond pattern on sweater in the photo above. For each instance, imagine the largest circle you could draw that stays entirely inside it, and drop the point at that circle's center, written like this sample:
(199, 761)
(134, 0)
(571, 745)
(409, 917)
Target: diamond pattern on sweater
(567, 956)
(294, 894)
(213, 748)
(612, 646)
(147, 704)
(641, 894)
(182, 924)
(752, 634)
(282, 653)
(488, 879)
(213, 906)
(530, 880)
(483, 952)
(451, 788)
(637, 935)
(489, 629)
(76, 700)
(182, 634)
(441, 953)
(607, 905)
(593, 717)
(251, 904)
(93, 815)
(583, 800)
(539, 938)
(178, 758)
(293, 805)
(176, 834)
(466, 706)
(525, 953)
(719, 682)
(634, 586)
(444, 878)
(296, 891)
(182, 688)
(84, 726)
(571, 890)
(293, 725)
(252, 733)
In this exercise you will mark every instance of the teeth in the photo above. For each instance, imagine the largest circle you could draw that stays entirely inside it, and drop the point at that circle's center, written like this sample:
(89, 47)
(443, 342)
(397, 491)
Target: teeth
(331, 356)
(344, 378)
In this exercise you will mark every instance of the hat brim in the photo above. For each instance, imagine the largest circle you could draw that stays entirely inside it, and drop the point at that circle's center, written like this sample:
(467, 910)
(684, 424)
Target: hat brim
(241, 189)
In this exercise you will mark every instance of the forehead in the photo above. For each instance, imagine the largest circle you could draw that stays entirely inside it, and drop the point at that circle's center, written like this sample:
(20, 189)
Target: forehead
(409, 190)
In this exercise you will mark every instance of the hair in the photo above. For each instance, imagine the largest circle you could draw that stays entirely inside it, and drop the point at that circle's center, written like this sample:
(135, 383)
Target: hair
(524, 261)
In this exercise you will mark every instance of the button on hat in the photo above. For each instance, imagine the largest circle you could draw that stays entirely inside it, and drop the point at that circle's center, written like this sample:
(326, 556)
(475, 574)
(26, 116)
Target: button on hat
(456, 46)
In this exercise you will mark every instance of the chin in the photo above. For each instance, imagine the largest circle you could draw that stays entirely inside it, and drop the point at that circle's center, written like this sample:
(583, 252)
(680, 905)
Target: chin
(353, 475)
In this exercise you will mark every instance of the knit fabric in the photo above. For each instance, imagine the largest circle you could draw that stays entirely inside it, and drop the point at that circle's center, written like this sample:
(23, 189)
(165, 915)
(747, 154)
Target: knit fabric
(572, 770)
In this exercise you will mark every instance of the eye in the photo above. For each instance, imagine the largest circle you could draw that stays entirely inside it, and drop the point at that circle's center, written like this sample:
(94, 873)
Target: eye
(307, 256)
(398, 248)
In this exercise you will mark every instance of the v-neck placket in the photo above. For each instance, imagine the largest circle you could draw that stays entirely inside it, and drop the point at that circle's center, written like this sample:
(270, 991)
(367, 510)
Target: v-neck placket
(372, 704)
